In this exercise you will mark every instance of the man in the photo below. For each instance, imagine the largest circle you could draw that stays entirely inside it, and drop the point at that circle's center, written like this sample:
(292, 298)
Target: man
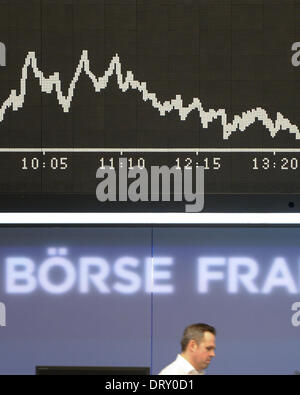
(197, 350)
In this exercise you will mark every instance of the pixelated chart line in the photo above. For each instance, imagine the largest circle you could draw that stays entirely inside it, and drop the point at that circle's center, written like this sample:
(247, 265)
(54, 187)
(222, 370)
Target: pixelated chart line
(240, 122)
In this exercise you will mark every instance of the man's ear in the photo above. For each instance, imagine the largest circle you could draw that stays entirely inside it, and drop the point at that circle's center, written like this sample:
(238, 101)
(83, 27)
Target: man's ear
(192, 345)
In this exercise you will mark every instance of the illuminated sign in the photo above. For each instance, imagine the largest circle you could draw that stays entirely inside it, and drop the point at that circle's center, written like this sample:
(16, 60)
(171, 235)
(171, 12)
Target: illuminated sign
(244, 272)
(57, 274)
(23, 276)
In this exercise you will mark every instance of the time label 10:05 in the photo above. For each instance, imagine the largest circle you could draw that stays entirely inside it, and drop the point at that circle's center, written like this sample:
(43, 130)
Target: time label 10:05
(272, 163)
(51, 163)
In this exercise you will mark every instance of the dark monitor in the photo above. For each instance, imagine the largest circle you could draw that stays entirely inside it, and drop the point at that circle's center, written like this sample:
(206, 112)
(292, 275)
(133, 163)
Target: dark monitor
(90, 370)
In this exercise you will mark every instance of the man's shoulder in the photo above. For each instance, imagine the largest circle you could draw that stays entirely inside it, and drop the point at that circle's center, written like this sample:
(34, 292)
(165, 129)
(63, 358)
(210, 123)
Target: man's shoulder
(171, 369)
(175, 368)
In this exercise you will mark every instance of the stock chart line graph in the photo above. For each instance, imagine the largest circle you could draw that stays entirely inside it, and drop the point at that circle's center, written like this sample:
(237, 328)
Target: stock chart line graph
(167, 82)
(53, 82)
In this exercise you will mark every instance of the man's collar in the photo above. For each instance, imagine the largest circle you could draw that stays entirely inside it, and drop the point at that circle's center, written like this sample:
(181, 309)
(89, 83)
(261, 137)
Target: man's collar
(187, 366)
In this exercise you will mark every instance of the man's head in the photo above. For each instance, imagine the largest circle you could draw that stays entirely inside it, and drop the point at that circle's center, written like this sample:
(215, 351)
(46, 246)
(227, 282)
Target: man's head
(198, 345)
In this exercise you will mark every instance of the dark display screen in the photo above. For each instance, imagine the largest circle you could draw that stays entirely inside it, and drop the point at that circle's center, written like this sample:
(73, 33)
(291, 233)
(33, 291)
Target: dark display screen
(184, 83)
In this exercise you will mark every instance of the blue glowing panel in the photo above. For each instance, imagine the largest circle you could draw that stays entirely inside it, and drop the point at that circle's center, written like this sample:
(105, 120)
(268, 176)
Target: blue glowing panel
(243, 281)
(120, 297)
(74, 297)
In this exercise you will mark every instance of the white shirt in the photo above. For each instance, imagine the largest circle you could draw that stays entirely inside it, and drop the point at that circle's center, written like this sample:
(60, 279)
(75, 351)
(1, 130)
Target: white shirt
(181, 367)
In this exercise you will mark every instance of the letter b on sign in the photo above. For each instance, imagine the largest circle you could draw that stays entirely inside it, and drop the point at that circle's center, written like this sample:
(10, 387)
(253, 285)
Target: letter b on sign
(2, 314)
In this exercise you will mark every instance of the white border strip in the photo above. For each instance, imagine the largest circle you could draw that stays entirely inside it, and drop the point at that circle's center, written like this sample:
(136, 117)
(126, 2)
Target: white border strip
(142, 150)
(148, 218)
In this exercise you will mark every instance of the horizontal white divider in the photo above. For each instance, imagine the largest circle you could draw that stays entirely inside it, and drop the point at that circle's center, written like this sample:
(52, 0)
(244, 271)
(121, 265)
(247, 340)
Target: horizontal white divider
(149, 218)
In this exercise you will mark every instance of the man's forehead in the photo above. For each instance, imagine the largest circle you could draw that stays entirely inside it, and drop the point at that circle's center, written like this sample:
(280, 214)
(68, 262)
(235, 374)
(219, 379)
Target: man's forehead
(209, 338)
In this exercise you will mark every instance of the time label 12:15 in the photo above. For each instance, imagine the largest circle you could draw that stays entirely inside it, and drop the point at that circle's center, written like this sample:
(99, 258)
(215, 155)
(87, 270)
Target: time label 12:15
(207, 163)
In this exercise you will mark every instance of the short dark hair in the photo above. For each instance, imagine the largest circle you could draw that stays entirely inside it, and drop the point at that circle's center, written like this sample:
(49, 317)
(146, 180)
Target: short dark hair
(195, 332)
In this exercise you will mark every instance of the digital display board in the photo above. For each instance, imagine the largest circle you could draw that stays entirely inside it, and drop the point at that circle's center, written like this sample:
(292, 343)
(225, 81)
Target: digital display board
(176, 83)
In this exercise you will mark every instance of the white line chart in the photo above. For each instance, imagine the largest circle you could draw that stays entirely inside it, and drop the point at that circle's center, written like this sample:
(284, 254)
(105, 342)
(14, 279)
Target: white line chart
(127, 81)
